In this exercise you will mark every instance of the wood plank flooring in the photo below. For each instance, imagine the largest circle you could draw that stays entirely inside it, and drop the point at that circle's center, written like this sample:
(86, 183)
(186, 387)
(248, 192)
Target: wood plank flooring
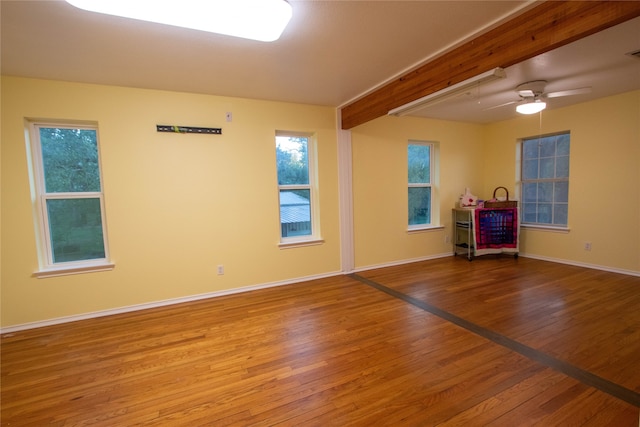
(496, 341)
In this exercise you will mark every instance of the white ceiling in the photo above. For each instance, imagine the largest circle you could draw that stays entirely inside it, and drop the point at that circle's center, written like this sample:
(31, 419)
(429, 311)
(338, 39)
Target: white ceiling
(600, 61)
(331, 53)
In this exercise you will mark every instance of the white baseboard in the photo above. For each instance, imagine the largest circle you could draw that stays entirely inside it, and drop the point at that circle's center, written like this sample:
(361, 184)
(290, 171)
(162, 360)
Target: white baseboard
(162, 303)
(401, 262)
(522, 254)
(582, 264)
(136, 307)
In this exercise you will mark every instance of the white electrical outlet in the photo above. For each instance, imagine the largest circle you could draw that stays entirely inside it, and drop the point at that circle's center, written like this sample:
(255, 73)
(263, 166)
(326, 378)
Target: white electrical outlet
(587, 246)
(447, 239)
(229, 116)
(220, 270)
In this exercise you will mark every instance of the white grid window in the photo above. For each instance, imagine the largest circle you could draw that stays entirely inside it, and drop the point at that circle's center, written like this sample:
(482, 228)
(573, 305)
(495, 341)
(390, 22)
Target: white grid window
(69, 202)
(545, 180)
(295, 160)
(420, 167)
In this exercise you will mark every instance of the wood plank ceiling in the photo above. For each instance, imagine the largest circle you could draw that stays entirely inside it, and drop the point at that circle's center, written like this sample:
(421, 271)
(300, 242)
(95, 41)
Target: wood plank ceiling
(540, 29)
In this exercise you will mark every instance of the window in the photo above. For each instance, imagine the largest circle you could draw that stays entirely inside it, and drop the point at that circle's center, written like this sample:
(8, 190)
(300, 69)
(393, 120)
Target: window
(296, 186)
(545, 180)
(420, 158)
(69, 202)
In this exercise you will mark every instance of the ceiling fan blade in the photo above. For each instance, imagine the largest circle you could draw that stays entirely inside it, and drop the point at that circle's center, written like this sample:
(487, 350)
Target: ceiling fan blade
(501, 105)
(568, 92)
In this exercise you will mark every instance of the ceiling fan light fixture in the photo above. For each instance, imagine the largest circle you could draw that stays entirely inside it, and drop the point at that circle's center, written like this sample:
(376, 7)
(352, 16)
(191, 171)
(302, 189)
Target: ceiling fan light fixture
(531, 107)
(262, 20)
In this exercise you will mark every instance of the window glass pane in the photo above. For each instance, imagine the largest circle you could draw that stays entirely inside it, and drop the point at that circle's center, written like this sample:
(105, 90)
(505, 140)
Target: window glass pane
(419, 203)
(547, 168)
(529, 212)
(530, 169)
(548, 146)
(560, 214)
(295, 213)
(562, 167)
(545, 192)
(419, 164)
(561, 192)
(544, 213)
(562, 145)
(292, 160)
(530, 192)
(530, 149)
(70, 160)
(75, 227)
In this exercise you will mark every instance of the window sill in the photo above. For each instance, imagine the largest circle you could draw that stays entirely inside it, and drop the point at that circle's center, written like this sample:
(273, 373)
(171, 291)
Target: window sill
(545, 228)
(424, 229)
(76, 269)
(300, 243)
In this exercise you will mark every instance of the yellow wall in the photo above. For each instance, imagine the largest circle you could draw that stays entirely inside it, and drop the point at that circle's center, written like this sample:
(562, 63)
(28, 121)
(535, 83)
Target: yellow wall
(604, 204)
(179, 205)
(176, 205)
(380, 185)
(604, 183)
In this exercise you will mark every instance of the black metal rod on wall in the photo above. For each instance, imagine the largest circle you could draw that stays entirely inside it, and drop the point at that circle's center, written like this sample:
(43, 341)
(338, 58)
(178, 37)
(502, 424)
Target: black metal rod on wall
(188, 129)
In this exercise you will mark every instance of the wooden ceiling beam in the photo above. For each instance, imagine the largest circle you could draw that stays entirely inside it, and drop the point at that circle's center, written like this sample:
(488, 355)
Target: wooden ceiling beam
(540, 29)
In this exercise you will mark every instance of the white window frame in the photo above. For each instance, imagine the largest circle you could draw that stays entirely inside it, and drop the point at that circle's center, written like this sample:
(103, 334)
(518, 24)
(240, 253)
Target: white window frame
(430, 184)
(313, 238)
(47, 266)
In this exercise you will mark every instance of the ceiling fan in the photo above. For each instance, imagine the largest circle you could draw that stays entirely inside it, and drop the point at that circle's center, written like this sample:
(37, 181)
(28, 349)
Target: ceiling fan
(532, 96)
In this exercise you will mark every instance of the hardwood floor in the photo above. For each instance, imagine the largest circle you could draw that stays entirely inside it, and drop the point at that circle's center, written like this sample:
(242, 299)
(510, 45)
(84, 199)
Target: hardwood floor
(497, 341)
